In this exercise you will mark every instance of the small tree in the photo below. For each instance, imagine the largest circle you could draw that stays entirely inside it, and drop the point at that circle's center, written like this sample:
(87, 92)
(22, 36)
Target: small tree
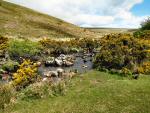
(145, 25)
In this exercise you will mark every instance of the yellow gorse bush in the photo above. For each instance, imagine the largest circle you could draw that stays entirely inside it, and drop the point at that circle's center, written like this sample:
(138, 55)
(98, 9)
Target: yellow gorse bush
(3, 43)
(144, 68)
(123, 52)
(26, 74)
(55, 46)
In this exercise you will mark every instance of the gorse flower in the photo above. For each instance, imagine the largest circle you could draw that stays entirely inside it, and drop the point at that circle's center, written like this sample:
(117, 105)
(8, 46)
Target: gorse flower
(25, 75)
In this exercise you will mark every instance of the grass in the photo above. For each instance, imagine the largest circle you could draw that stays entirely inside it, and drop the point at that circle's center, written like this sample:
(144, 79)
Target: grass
(94, 92)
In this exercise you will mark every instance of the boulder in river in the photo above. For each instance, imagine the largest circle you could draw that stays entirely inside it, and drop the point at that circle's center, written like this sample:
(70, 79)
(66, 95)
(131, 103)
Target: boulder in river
(68, 63)
(84, 66)
(51, 74)
(62, 56)
(60, 72)
(54, 74)
(58, 62)
(47, 74)
(50, 61)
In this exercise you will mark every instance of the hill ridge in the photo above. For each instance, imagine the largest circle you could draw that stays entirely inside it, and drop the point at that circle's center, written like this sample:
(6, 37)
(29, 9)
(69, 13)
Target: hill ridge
(19, 21)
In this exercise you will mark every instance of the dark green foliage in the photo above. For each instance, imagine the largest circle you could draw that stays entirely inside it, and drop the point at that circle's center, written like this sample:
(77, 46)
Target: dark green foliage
(10, 66)
(146, 24)
(23, 48)
(142, 34)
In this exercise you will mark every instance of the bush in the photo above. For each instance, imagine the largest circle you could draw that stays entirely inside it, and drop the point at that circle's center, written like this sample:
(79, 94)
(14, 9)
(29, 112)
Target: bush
(121, 51)
(25, 75)
(10, 66)
(3, 45)
(36, 91)
(55, 47)
(23, 48)
(59, 89)
(144, 68)
(126, 72)
(145, 25)
(88, 43)
(3, 42)
(142, 34)
(42, 90)
(74, 45)
(5, 95)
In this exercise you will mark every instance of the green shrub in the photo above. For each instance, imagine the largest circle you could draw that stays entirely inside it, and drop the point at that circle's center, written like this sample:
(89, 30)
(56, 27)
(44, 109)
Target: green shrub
(145, 25)
(5, 95)
(88, 43)
(42, 90)
(10, 66)
(74, 50)
(23, 48)
(126, 72)
(36, 91)
(59, 89)
(142, 34)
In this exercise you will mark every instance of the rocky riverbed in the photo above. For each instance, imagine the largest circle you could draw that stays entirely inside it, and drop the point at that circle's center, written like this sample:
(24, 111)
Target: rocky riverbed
(80, 64)
(74, 63)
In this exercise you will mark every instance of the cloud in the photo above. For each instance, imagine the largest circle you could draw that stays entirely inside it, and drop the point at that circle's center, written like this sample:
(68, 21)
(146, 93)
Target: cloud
(92, 13)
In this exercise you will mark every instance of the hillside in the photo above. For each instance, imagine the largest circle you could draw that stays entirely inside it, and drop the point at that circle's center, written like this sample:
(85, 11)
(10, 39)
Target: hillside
(18, 21)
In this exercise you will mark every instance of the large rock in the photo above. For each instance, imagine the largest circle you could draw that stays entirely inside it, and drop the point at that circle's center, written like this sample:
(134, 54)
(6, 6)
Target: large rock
(68, 63)
(62, 56)
(136, 76)
(54, 74)
(62, 60)
(50, 61)
(58, 62)
(51, 74)
(47, 74)
(60, 72)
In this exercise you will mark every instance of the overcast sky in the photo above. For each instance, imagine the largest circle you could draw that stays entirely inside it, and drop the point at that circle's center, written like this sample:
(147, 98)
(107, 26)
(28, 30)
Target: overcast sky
(92, 13)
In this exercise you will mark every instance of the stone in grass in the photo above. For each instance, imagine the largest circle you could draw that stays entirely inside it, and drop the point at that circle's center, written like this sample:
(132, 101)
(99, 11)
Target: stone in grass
(136, 76)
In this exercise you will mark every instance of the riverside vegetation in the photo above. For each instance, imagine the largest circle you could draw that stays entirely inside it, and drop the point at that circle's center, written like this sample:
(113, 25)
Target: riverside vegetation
(121, 54)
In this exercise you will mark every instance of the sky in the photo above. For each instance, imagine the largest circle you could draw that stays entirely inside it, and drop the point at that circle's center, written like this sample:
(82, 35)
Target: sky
(93, 13)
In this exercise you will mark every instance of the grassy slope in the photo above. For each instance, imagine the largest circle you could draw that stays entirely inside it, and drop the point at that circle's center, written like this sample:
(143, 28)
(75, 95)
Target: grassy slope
(95, 92)
(23, 22)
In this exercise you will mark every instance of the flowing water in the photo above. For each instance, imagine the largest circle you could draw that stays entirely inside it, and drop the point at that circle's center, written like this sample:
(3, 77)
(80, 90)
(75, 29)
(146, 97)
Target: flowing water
(79, 65)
